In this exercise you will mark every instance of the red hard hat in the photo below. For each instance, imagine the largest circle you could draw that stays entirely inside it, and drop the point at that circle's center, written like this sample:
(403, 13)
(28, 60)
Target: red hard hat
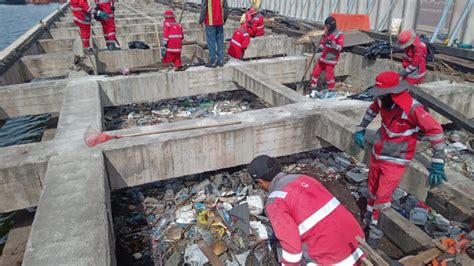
(169, 13)
(387, 82)
(406, 38)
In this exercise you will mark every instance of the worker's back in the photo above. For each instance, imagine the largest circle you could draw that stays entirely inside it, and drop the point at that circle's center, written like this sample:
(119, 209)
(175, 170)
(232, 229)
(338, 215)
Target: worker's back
(302, 211)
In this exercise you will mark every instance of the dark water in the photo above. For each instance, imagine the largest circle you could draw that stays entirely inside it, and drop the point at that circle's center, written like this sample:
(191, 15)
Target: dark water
(17, 19)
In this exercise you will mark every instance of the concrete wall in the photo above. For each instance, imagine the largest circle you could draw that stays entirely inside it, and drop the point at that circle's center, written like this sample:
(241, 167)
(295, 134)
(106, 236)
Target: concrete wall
(30, 99)
(47, 65)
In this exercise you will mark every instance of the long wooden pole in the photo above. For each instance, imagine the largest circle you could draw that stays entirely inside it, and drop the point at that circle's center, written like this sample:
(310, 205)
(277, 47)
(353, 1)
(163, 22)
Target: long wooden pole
(176, 129)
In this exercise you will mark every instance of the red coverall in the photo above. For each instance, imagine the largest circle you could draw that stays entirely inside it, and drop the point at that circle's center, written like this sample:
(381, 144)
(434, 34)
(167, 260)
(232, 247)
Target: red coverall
(304, 212)
(328, 58)
(173, 39)
(414, 62)
(395, 145)
(239, 42)
(108, 25)
(257, 27)
(79, 10)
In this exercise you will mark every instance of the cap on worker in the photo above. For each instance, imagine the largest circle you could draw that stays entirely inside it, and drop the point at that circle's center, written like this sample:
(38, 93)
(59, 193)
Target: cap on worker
(387, 82)
(330, 23)
(406, 38)
(264, 167)
(169, 13)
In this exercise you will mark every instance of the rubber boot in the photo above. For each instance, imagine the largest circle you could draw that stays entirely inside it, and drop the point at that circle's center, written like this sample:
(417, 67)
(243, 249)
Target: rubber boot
(88, 51)
(367, 219)
(211, 64)
(112, 47)
(375, 235)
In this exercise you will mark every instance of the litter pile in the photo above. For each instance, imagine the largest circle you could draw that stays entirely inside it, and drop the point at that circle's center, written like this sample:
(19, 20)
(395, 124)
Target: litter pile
(183, 108)
(176, 221)
(459, 152)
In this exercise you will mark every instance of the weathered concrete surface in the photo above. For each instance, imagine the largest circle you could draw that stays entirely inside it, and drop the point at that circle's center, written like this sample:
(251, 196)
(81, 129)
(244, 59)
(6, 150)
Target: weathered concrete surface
(265, 88)
(49, 46)
(172, 84)
(17, 237)
(47, 65)
(30, 99)
(111, 61)
(73, 213)
(408, 236)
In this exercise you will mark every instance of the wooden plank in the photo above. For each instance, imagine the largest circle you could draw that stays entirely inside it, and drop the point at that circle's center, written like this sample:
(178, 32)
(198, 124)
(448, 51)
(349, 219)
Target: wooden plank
(443, 109)
(403, 233)
(372, 254)
(422, 258)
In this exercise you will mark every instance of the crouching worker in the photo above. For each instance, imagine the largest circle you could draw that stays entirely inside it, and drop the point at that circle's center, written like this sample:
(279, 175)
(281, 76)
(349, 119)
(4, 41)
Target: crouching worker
(304, 213)
(239, 42)
(395, 144)
(256, 21)
(172, 41)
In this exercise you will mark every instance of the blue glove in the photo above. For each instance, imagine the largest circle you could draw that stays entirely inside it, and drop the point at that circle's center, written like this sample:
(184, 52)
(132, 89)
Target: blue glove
(102, 15)
(437, 174)
(163, 50)
(359, 138)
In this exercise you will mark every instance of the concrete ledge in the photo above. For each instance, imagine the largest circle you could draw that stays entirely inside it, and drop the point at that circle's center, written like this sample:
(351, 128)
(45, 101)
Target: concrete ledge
(404, 233)
(112, 61)
(47, 65)
(72, 225)
(271, 92)
(30, 99)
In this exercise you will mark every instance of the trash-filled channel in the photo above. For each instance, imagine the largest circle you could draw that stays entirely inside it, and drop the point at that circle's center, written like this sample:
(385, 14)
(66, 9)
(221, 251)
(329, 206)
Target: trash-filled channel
(182, 108)
(175, 221)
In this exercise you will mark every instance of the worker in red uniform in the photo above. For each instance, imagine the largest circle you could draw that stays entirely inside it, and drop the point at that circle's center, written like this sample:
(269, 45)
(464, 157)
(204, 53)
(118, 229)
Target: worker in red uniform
(255, 20)
(172, 40)
(105, 15)
(395, 143)
(239, 42)
(82, 17)
(304, 213)
(331, 45)
(414, 59)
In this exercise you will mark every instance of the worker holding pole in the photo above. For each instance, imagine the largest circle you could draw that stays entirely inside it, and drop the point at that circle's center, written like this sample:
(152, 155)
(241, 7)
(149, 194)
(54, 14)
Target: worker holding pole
(304, 213)
(414, 59)
(403, 118)
(104, 13)
(331, 46)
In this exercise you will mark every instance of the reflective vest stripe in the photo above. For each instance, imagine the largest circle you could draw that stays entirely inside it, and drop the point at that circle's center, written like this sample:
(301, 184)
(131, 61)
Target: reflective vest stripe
(352, 259)
(81, 21)
(209, 11)
(435, 137)
(290, 257)
(278, 194)
(175, 36)
(406, 133)
(382, 206)
(327, 61)
(236, 43)
(103, 1)
(109, 34)
(389, 159)
(318, 216)
(76, 8)
(260, 27)
(173, 50)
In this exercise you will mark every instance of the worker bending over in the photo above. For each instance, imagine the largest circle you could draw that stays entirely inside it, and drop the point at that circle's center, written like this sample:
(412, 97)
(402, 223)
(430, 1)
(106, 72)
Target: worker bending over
(82, 17)
(414, 59)
(395, 143)
(304, 213)
(104, 11)
(255, 20)
(239, 42)
(331, 45)
(172, 41)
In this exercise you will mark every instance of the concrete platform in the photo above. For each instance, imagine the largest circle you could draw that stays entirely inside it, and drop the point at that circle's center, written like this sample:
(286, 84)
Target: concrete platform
(70, 183)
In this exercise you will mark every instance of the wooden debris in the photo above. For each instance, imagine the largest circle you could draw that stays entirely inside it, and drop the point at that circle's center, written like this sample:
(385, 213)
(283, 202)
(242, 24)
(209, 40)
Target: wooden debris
(371, 254)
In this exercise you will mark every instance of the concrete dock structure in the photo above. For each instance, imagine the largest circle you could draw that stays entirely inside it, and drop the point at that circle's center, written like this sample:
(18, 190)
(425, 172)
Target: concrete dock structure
(70, 183)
